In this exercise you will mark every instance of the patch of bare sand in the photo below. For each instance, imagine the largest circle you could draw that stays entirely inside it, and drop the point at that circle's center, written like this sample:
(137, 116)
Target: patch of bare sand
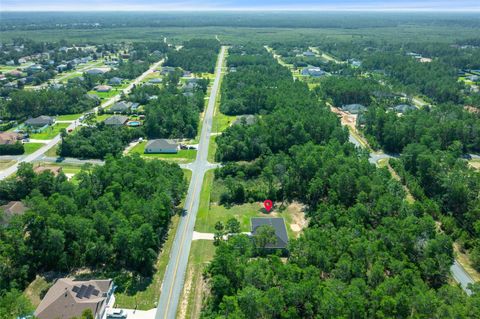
(297, 212)
(187, 288)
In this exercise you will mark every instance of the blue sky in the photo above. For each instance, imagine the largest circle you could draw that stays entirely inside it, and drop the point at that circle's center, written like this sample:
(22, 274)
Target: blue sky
(186, 5)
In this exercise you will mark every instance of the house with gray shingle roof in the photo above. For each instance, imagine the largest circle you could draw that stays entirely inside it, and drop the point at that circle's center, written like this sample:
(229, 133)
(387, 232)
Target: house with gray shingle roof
(40, 121)
(161, 146)
(116, 120)
(354, 108)
(278, 224)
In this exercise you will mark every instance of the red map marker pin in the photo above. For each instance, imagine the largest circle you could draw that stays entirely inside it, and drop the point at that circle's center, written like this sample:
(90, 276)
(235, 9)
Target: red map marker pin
(268, 205)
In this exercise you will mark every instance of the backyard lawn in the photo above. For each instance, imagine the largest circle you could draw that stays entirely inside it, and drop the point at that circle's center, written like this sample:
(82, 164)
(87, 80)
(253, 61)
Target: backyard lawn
(49, 132)
(32, 147)
(183, 156)
(68, 117)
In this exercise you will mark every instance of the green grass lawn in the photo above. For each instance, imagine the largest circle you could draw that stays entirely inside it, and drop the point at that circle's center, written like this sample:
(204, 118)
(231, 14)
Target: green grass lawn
(103, 117)
(68, 117)
(52, 152)
(183, 156)
(201, 253)
(209, 212)
(49, 132)
(32, 147)
(212, 149)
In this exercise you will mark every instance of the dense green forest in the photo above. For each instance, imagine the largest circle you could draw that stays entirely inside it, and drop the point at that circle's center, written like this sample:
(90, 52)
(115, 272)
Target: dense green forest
(68, 100)
(436, 80)
(172, 114)
(367, 252)
(253, 88)
(197, 55)
(97, 141)
(113, 218)
(437, 127)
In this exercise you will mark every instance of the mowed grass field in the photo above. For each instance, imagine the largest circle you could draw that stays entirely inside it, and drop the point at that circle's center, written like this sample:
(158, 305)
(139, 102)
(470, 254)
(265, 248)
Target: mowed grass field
(32, 147)
(183, 156)
(49, 132)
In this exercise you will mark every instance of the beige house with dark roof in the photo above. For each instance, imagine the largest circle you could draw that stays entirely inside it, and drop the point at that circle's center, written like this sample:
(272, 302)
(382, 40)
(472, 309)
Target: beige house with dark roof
(68, 298)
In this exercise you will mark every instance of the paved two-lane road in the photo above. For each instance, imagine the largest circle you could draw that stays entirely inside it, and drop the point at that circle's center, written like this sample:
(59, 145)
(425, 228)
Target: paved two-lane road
(175, 273)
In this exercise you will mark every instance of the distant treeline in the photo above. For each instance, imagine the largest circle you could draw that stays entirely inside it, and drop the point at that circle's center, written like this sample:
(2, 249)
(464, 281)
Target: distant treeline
(94, 20)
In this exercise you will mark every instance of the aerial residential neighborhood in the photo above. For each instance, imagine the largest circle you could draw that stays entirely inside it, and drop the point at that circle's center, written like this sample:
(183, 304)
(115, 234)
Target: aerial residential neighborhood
(309, 159)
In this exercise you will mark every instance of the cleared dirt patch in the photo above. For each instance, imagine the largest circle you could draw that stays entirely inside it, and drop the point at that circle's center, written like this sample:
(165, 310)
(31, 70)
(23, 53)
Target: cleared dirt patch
(297, 213)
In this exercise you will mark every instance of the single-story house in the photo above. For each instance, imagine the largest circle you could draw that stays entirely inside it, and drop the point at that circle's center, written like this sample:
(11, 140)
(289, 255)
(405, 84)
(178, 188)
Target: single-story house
(313, 71)
(103, 88)
(97, 71)
(116, 120)
(167, 70)
(34, 68)
(247, 119)
(40, 121)
(308, 54)
(42, 168)
(115, 81)
(11, 209)
(15, 73)
(121, 107)
(473, 78)
(354, 108)
(161, 146)
(61, 67)
(155, 81)
(68, 298)
(402, 108)
(7, 138)
(278, 224)
(190, 86)
(355, 63)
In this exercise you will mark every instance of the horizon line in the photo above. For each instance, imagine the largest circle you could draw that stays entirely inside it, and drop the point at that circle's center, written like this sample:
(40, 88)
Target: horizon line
(298, 9)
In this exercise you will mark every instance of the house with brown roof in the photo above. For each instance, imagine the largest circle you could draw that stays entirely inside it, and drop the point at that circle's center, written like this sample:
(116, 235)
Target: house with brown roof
(68, 298)
(42, 168)
(7, 138)
(11, 209)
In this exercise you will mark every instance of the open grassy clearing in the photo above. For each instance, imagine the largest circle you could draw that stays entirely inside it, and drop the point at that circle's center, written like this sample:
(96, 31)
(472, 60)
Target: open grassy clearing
(147, 298)
(50, 132)
(209, 211)
(32, 147)
(194, 290)
(183, 156)
(68, 117)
